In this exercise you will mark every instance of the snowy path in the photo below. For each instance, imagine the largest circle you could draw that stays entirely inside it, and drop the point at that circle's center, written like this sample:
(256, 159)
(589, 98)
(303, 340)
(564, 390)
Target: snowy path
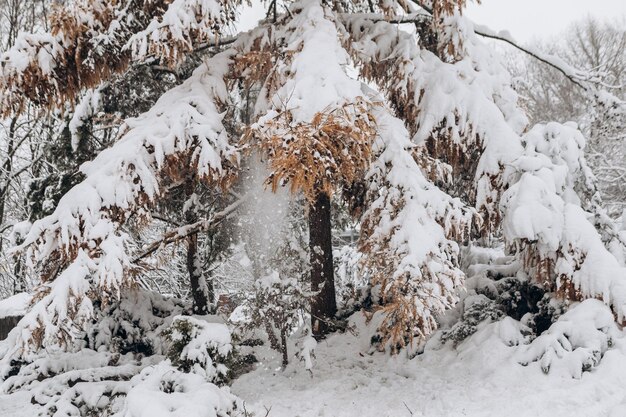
(476, 381)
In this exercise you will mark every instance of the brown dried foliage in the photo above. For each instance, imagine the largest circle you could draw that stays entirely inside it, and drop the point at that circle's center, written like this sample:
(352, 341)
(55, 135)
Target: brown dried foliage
(331, 151)
(82, 59)
(461, 156)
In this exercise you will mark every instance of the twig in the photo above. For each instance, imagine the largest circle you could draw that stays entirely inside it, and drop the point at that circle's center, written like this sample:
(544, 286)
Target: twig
(532, 54)
(407, 407)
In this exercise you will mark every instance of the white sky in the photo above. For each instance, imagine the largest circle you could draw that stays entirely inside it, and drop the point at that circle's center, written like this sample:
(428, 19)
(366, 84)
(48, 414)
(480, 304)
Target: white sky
(528, 19)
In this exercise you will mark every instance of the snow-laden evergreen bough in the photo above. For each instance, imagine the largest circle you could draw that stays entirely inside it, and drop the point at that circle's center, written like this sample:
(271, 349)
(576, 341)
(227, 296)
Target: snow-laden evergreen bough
(419, 132)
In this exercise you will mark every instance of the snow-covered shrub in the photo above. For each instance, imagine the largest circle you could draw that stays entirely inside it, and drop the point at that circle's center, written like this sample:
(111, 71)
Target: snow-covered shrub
(133, 323)
(496, 288)
(54, 364)
(576, 342)
(476, 309)
(85, 383)
(525, 300)
(164, 391)
(277, 306)
(199, 347)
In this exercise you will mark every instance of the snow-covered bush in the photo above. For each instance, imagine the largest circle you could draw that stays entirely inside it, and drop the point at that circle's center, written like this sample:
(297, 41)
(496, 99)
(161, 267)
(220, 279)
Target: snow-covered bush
(96, 383)
(576, 342)
(523, 299)
(164, 391)
(129, 325)
(497, 287)
(133, 323)
(199, 347)
(83, 383)
(277, 306)
(476, 309)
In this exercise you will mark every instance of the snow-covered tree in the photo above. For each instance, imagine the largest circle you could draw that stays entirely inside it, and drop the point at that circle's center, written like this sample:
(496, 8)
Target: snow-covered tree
(420, 132)
(596, 47)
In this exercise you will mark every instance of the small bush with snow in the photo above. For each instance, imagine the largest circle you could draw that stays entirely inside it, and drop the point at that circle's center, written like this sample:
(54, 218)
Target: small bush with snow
(477, 309)
(199, 347)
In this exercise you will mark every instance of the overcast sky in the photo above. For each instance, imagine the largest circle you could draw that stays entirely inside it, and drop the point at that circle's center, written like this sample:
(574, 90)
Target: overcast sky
(526, 19)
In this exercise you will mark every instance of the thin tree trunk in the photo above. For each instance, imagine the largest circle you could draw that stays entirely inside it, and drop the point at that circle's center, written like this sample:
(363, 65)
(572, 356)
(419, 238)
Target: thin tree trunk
(200, 303)
(271, 335)
(323, 303)
(198, 288)
(7, 167)
(210, 286)
(283, 348)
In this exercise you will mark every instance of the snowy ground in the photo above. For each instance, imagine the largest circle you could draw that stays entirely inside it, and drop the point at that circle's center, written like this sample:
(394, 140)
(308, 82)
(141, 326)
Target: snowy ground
(480, 378)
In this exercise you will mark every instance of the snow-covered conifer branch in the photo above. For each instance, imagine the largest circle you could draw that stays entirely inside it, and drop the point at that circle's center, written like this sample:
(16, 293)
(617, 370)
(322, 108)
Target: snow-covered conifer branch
(417, 276)
(80, 248)
(449, 118)
(182, 232)
(90, 40)
(315, 140)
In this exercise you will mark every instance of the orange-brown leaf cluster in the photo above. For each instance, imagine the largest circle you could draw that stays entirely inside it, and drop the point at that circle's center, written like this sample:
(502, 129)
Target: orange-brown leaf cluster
(332, 150)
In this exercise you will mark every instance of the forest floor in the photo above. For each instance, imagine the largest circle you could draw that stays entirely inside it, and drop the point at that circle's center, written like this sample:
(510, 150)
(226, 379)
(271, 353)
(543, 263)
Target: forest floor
(480, 378)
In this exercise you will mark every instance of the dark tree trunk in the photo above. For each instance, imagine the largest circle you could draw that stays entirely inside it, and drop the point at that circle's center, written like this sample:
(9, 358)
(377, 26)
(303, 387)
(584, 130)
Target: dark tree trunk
(198, 288)
(323, 304)
(283, 347)
(271, 335)
(200, 302)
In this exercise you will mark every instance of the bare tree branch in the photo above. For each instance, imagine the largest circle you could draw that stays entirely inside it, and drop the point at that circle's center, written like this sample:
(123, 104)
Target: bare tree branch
(550, 60)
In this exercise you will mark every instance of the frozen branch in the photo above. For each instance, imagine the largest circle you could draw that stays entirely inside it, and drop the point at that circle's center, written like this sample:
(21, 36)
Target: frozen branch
(182, 232)
(571, 73)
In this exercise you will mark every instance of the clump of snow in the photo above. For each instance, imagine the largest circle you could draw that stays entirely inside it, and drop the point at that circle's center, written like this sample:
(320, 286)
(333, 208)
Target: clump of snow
(164, 391)
(86, 108)
(307, 353)
(16, 305)
(318, 66)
